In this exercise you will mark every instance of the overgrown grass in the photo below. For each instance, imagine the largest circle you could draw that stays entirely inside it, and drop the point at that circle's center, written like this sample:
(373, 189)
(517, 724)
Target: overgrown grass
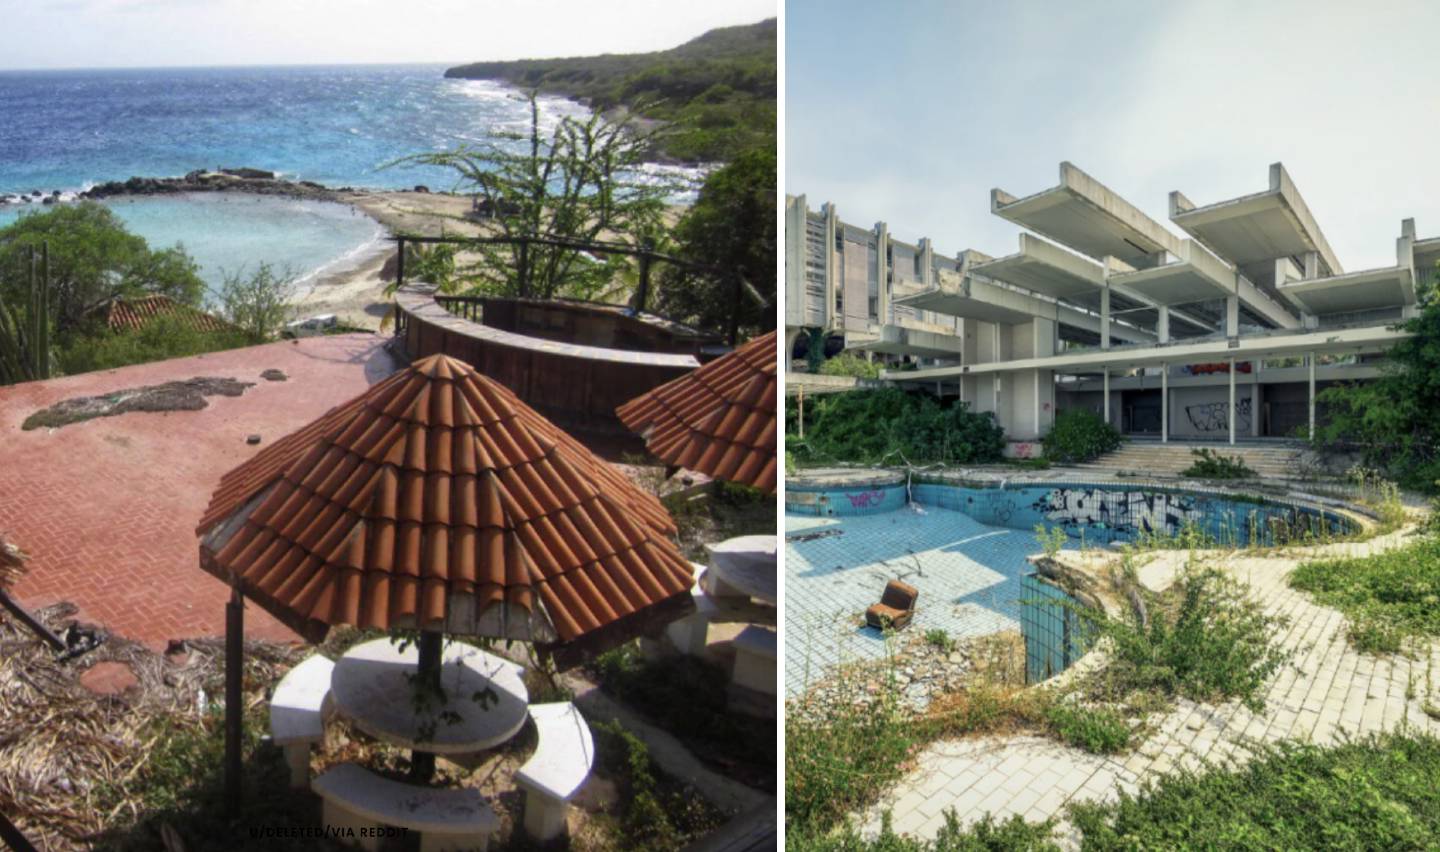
(656, 814)
(1209, 464)
(1205, 638)
(1375, 793)
(1390, 598)
(983, 835)
(687, 697)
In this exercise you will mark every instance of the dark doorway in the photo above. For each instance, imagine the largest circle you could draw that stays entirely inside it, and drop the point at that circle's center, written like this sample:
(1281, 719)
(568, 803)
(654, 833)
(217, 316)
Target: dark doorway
(1141, 412)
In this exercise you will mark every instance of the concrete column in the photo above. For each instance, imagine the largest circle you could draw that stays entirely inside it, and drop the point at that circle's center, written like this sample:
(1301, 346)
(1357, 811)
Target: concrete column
(1162, 325)
(1255, 399)
(1231, 418)
(1164, 403)
(1106, 386)
(796, 235)
(1232, 316)
(1105, 317)
(1311, 358)
(882, 309)
(832, 317)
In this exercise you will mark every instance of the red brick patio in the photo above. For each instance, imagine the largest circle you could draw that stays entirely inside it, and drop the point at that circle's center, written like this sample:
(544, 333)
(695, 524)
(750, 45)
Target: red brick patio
(107, 508)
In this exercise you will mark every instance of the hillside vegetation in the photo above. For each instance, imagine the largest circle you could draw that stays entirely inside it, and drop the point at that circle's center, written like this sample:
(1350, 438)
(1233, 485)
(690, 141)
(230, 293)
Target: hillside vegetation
(716, 91)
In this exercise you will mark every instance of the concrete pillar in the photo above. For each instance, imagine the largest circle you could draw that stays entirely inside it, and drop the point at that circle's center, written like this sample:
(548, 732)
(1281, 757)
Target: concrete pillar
(796, 235)
(832, 317)
(1162, 325)
(1232, 316)
(1255, 399)
(882, 237)
(1231, 418)
(1106, 387)
(1311, 358)
(1105, 317)
(1164, 403)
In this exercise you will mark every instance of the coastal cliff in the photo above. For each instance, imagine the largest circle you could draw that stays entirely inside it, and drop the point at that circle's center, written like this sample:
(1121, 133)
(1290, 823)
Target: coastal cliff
(716, 92)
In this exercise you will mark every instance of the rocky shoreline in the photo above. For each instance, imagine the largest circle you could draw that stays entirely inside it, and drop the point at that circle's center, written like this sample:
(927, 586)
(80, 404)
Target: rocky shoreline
(246, 180)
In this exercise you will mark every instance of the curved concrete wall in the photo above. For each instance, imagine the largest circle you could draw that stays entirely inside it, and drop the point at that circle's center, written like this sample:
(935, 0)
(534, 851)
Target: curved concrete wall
(573, 385)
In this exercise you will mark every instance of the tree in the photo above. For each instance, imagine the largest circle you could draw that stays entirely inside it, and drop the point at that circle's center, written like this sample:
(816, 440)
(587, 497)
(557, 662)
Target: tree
(92, 258)
(582, 182)
(730, 228)
(259, 303)
(1394, 419)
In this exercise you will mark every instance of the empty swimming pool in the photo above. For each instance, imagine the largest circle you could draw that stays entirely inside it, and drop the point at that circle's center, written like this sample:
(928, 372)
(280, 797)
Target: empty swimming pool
(964, 546)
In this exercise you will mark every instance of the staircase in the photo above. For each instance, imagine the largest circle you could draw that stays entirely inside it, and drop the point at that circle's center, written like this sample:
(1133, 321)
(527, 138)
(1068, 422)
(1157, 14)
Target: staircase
(1152, 458)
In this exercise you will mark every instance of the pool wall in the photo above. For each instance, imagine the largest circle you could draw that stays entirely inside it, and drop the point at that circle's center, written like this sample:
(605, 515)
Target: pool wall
(1097, 513)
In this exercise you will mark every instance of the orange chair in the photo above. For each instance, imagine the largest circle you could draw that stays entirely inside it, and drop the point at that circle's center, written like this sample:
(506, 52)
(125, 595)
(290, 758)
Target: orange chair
(896, 607)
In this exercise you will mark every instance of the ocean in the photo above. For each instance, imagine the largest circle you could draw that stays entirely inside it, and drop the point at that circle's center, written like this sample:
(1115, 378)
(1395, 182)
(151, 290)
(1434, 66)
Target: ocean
(336, 125)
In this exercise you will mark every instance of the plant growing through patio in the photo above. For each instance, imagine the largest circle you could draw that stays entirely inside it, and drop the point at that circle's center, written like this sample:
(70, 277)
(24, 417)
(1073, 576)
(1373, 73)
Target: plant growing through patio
(1391, 598)
(938, 638)
(1209, 464)
(1051, 539)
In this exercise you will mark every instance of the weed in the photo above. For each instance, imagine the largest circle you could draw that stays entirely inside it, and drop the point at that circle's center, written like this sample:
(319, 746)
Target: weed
(1051, 539)
(940, 639)
(1390, 598)
(1209, 464)
(1098, 730)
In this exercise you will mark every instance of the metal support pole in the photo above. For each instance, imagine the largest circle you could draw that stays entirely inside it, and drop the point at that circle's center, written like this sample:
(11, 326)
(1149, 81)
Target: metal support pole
(1164, 403)
(642, 293)
(1311, 359)
(30, 621)
(524, 269)
(800, 403)
(234, 709)
(400, 263)
(422, 763)
(1231, 418)
(12, 836)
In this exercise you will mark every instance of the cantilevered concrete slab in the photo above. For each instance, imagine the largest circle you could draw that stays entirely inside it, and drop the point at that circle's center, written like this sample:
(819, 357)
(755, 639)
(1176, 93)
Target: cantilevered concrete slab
(899, 340)
(1085, 215)
(1367, 339)
(978, 299)
(1046, 268)
(1256, 229)
(1371, 289)
(1197, 276)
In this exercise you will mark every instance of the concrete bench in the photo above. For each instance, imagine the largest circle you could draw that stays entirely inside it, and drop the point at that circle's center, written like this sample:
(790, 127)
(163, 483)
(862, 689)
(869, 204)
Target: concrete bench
(297, 714)
(554, 773)
(754, 678)
(359, 805)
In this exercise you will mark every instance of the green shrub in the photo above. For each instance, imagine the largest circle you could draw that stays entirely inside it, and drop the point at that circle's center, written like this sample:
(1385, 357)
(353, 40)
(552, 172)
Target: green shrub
(1211, 465)
(1375, 793)
(656, 814)
(1206, 640)
(1390, 598)
(161, 338)
(870, 426)
(1098, 730)
(850, 364)
(984, 835)
(1079, 436)
(940, 639)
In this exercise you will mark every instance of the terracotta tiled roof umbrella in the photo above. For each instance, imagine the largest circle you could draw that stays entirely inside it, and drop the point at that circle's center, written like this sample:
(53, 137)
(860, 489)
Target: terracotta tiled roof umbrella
(132, 314)
(438, 501)
(718, 420)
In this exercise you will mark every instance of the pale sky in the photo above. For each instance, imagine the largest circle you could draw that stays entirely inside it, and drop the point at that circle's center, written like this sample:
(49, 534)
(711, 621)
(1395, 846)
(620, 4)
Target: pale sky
(155, 33)
(911, 112)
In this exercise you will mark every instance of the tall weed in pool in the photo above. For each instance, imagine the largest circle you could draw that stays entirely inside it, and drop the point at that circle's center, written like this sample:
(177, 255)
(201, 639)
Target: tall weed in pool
(842, 749)
(1391, 598)
(1205, 638)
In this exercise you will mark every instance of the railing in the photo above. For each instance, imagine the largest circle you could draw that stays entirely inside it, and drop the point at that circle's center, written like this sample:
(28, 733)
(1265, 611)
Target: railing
(645, 255)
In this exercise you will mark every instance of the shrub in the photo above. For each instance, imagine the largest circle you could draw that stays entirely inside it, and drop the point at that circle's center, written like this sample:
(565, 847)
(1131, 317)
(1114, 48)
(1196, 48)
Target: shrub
(1206, 639)
(850, 364)
(940, 639)
(1390, 598)
(869, 426)
(1211, 465)
(258, 303)
(655, 813)
(163, 337)
(986, 833)
(1098, 730)
(1079, 436)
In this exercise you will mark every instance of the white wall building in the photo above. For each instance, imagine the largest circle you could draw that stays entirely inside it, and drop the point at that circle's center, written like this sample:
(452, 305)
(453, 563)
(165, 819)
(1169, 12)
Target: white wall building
(1225, 333)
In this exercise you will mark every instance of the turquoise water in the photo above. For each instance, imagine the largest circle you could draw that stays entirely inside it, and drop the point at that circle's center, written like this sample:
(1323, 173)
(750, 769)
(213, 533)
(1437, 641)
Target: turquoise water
(228, 233)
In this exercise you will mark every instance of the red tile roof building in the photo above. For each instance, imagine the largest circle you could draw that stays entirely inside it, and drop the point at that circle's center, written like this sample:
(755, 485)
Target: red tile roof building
(438, 500)
(133, 314)
(718, 420)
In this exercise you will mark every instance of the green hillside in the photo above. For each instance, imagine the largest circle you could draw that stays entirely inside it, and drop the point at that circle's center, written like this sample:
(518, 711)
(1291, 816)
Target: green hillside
(717, 90)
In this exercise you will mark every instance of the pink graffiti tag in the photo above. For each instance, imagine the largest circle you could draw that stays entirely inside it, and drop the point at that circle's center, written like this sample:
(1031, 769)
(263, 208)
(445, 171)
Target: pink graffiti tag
(865, 499)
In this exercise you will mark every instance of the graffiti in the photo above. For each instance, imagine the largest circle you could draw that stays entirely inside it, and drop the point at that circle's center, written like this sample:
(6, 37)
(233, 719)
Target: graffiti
(1210, 416)
(1120, 511)
(1207, 369)
(814, 536)
(1024, 450)
(865, 499)
(999, 508)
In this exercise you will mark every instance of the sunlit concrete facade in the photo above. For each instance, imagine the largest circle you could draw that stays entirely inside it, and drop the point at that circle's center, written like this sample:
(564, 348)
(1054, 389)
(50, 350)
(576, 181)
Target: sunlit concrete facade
(1225, 333)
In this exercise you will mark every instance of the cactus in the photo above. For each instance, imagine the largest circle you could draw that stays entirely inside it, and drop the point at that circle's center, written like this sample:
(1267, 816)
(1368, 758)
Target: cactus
(25, 331)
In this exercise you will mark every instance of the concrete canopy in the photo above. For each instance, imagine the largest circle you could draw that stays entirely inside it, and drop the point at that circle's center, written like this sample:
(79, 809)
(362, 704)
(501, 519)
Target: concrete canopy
(1391, 287)
(1196, 277)
(1046, 268)
(1257, 228)
(1085, 215)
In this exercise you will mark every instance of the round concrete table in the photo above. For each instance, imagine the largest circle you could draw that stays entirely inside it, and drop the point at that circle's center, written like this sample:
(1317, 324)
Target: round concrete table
(372, 685)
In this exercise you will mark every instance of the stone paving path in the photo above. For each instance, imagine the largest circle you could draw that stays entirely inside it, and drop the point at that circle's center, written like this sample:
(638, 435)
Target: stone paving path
(1326, 691)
